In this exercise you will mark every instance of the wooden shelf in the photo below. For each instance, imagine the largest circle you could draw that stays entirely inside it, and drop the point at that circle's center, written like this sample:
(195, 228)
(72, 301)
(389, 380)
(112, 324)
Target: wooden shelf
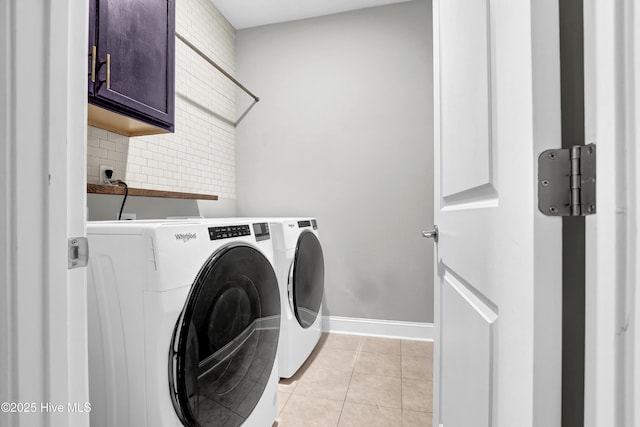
(141, 192)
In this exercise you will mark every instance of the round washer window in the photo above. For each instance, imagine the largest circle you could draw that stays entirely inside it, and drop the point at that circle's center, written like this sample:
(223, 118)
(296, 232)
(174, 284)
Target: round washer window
(308, 279)
(225, 342)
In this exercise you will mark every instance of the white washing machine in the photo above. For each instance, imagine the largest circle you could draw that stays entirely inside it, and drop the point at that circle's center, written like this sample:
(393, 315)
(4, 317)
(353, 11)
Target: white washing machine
(300, 268)
(184, 320)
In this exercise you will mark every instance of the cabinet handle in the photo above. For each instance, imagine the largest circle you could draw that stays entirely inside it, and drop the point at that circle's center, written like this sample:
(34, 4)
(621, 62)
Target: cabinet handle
(108, 71)
(93, 64)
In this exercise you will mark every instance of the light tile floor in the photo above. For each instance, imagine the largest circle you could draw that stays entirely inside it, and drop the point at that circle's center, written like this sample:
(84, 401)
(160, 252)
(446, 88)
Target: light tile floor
(358, 381)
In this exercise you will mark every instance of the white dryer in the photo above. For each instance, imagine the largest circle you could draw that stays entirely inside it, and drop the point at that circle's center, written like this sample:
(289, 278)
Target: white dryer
(184, 323)
(300, 268)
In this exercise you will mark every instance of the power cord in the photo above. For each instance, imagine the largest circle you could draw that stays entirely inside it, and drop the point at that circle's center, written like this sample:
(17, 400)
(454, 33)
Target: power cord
(121, 183)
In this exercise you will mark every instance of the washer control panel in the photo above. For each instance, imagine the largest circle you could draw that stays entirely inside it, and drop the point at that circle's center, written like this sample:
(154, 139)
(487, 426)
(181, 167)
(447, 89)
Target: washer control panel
(261, 230)
(229, 231)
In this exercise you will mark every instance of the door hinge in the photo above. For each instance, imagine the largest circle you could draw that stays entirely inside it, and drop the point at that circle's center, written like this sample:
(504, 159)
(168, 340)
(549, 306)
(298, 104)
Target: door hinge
(567, 181)
(78, 252)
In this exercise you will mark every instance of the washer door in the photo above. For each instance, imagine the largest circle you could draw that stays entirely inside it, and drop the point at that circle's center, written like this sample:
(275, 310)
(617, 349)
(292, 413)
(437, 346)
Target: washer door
(224, 344)
(307, 279)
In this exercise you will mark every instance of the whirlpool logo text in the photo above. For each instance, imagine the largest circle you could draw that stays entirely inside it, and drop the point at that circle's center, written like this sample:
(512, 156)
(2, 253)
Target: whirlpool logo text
(185, 237)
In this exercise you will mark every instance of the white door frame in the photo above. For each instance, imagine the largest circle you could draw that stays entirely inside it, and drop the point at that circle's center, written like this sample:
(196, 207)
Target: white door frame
(612, 120)
(43, 351)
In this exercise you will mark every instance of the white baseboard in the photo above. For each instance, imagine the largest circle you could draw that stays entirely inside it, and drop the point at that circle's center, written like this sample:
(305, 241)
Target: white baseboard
(378, 328)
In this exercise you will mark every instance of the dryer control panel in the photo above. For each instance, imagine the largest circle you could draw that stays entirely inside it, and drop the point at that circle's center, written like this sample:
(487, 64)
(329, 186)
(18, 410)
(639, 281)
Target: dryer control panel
(227, 232)
(308, 223)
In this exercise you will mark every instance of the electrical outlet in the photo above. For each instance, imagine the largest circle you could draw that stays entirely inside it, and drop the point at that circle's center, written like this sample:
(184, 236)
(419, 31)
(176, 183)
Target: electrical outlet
(128, 216)
(105, 178)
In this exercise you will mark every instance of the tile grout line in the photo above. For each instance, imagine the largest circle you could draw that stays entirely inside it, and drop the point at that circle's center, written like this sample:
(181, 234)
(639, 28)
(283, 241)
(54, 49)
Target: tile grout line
(285, 404)
(350, 380)
(401, 387)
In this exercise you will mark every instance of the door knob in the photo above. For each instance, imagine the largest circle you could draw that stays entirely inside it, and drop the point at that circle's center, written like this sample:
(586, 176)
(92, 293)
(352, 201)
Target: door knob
(431, 234)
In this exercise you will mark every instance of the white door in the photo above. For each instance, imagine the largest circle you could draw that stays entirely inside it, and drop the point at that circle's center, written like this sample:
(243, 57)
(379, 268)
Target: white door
(43, 338)
(498, 273)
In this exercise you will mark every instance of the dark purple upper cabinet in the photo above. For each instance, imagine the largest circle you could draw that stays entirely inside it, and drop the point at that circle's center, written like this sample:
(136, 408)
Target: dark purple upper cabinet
(92, 47)
(135, 66)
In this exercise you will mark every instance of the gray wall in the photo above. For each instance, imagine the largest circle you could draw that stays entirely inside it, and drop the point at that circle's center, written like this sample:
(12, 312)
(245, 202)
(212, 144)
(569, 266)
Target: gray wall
(343, 132)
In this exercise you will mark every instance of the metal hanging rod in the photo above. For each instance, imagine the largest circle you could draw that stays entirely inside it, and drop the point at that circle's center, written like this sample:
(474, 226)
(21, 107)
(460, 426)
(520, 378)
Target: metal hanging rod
(217, 67)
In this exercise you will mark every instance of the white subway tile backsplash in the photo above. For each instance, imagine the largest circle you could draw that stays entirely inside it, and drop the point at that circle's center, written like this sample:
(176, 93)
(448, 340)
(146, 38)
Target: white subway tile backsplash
(116, 137)
(99, 133)
(199, 156)
(101, 153)
(93, 161)
(107, 145)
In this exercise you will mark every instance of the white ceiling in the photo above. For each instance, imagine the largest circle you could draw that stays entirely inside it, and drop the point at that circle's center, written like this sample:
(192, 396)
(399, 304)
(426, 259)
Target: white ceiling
(252, 13)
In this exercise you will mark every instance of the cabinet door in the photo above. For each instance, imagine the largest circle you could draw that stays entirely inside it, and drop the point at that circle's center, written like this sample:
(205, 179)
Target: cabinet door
(139, 37)
(92, 46)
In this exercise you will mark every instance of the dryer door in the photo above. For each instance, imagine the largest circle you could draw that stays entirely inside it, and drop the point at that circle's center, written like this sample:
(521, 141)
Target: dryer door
(224, 344)
(307, 279)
